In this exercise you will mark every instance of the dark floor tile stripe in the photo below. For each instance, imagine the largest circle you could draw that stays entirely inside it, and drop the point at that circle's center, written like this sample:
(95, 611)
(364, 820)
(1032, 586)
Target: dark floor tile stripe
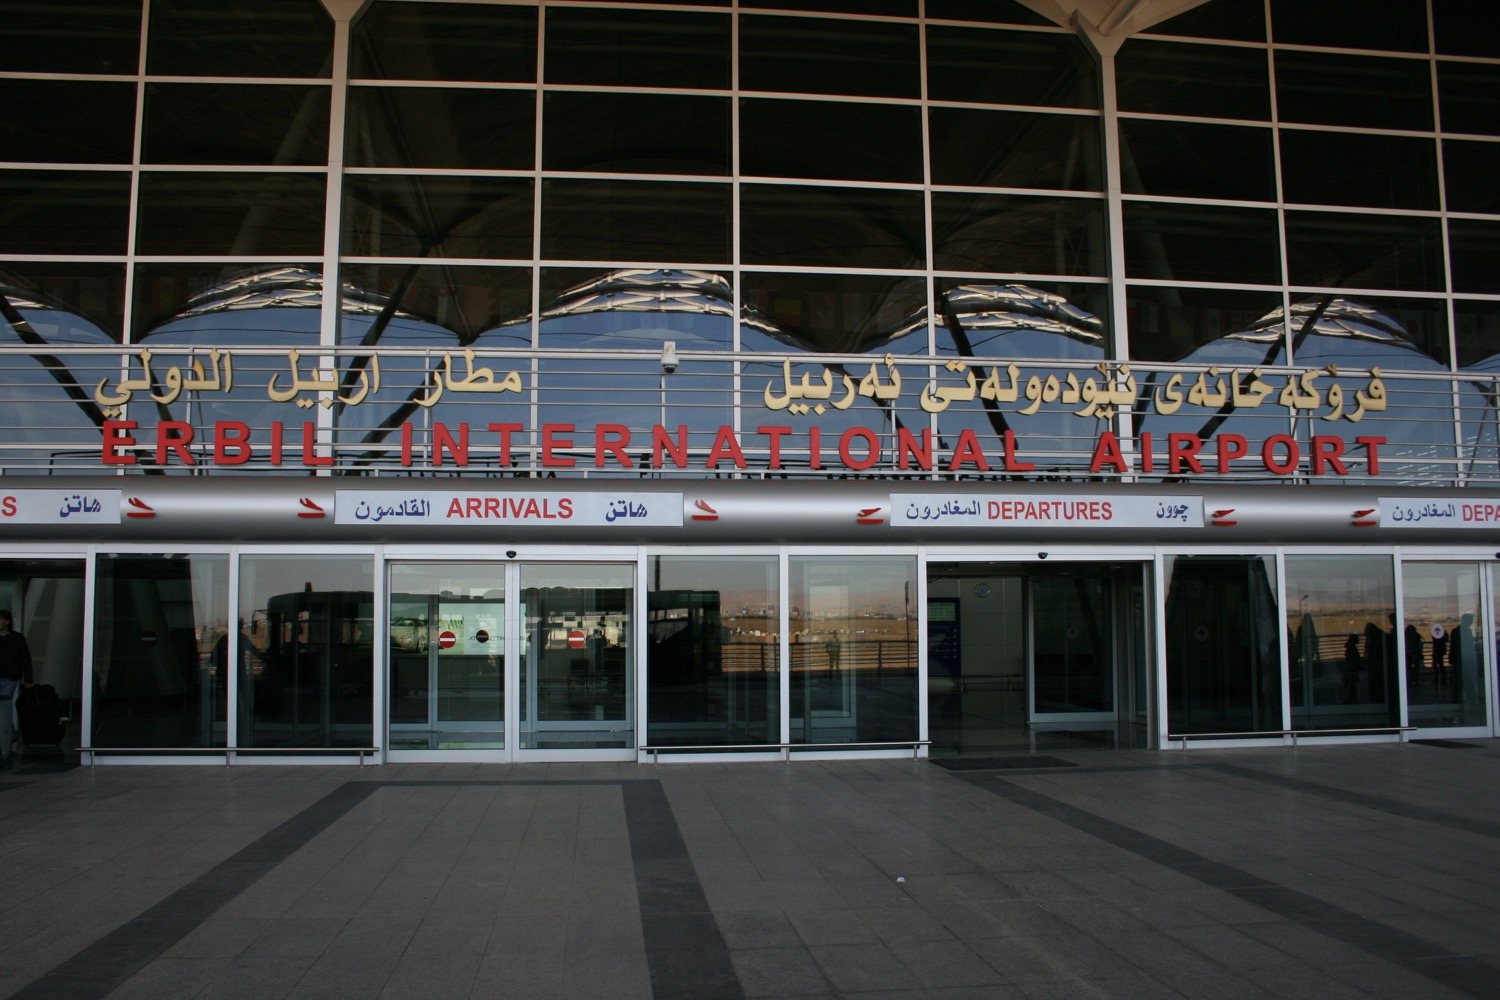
(1471, 976)
(1375, 802)
(103, 966)
(685, 952)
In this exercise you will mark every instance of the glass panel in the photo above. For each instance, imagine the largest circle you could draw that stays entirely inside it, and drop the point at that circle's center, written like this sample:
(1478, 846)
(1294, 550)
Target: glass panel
(1477, 331)
(577, 664)
(447, 669)
(1192, 160)
(1235, 20)
(1469, 171)
(1476, 255)
(1399, 25)
(1016, 235)
(1223, 655)
(831, 227)
(163, 647)
(239, 38)
(435, 305)
(831, 140)
(1201, 81)
(986, 66)
(308, 678)
(444, 41)
(1377, 171)
(1341, 634)
(191, 304)
(884, 8)
(997, 11)
(224, 123)
(1445, 657)
(636, 133)
(97, 36)
(638, 48)
(974, 148)
(1364, 251)
(1454, 22)
(416, 216)
(59, 211)
(1072, 652)
(451, 127)
(76, 302)
(713, 667)
(843, 313)
(1188, 243)
(44, 598)
(636, 221)
(854, 649)
(68, 121)
(814, 56)
(1466, 96)
(1362, 91)
(231, 214)
(1174, 324)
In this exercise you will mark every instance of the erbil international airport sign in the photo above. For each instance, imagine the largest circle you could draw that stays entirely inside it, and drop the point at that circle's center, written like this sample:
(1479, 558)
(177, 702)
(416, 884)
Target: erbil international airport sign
(1326, 397)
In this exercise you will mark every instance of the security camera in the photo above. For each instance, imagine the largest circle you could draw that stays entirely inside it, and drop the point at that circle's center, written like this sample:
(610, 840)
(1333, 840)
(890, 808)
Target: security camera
(510, 553)
(669, 360)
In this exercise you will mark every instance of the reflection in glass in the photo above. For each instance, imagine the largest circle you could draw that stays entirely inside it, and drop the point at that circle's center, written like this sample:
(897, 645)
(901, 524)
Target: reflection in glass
(68, 121)
(444, 41)
(447, 657)
(1341, 637)
(163, 649)
(1364, 251)
(1318, 88)
(853, 649)
(1466, 95)
(235, 123)
(834, 313)
(307, 676)
(831, 140)
(1187, 243)
(1072, 643)
(1010, 67)
(63, 211)
(636, 133)
(452, 127)
(825, 56)
(1469, 169)
(1018, 235)
(630, 221)
(1223, 654)
(1445, 644)
(1200, 81)
(577, 660)
(1378, 171)
(713, 672)
(46, 37)
(832, 227)
(416, 216)
(1197, 160)
(290, 38)
(1400, 27)
(1170, 323)
(1017, 149)
(638, 48)
(233, 214)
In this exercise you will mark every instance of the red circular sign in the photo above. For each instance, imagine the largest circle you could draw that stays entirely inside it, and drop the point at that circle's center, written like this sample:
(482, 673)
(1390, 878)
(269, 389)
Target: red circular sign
(148, 638)
(446, 640)
(575, 639)
(481, 637)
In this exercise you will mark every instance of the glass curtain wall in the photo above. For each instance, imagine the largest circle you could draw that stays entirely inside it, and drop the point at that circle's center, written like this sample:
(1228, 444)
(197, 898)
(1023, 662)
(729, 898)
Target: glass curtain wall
(713, 656)
(1223, 654)
(1341, 641)
(163, 649)
(854, 656)
(1445, 632)
(305, 652)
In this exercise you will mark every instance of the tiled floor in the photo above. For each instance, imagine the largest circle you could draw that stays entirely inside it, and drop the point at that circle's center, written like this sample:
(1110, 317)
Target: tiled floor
(1327, 872)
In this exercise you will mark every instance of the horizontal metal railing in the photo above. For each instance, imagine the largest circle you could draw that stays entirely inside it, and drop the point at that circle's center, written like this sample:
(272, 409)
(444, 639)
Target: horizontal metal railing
(1293, 733)
(228, 753)
(785, 748)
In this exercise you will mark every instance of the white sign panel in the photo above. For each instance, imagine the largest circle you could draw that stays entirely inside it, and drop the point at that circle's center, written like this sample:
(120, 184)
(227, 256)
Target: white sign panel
(1070, 511)
(392, 507)
(60, 507)
(1425, 512)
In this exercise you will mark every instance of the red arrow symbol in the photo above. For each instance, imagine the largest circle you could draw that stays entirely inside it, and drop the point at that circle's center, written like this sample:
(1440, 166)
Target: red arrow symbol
(709, 513)
(867, 516)
(143, 509)
(313, 510)
(1362, 518)
(1220, 516)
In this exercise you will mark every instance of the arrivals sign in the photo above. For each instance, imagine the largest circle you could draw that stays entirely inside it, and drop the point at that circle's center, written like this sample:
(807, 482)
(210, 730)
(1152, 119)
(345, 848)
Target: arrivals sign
(61, 507)
(1001, 510)
(513, 507)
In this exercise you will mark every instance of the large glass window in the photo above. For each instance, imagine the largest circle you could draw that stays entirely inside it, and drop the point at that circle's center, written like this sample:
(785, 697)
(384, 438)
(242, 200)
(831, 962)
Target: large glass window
(713, 669)
(1223, 654)
(1341, 636)
(1445, 639)
(853, 624)
(163, 650)
(305, 655)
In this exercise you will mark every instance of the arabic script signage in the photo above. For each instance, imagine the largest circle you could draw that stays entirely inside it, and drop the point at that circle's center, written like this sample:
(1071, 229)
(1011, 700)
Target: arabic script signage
(1071, 511)
(647, 510)
(1423, 512)
(60, 507)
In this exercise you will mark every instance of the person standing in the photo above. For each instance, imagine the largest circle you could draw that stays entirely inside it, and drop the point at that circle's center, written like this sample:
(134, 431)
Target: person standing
(15, 670)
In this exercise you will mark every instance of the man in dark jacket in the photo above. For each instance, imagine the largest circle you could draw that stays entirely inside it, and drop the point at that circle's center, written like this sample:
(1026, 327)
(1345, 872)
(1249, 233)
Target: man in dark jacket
(15, 670)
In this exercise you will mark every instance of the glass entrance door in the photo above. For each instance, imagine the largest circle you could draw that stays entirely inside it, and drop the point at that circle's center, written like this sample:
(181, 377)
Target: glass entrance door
(447, 657)
(1445, 646)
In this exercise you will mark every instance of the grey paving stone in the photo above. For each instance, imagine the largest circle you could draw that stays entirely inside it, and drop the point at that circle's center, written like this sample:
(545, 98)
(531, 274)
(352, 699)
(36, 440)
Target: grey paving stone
(779, 972)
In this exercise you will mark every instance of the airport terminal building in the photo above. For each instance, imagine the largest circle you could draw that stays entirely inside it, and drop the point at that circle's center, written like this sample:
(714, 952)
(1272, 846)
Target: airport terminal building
(505, 380)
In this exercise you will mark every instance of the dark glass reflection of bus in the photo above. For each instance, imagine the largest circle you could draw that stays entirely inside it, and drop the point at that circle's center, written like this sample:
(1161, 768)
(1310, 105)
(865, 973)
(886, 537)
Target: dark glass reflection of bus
(307, 679)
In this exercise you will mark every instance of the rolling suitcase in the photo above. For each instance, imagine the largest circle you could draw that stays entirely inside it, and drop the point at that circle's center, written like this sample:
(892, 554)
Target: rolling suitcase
(40, 715)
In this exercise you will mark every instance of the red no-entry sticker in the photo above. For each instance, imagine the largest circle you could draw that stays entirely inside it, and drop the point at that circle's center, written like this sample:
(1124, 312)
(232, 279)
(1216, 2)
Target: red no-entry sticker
(575, 639)
(446, 640)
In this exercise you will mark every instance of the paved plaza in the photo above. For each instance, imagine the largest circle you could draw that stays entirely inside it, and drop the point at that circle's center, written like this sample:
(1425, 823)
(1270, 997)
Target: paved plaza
(1325, 872)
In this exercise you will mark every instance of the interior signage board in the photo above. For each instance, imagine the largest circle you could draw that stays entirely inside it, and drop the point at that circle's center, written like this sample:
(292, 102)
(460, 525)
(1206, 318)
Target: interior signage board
(1061, 511)
(623, 509)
